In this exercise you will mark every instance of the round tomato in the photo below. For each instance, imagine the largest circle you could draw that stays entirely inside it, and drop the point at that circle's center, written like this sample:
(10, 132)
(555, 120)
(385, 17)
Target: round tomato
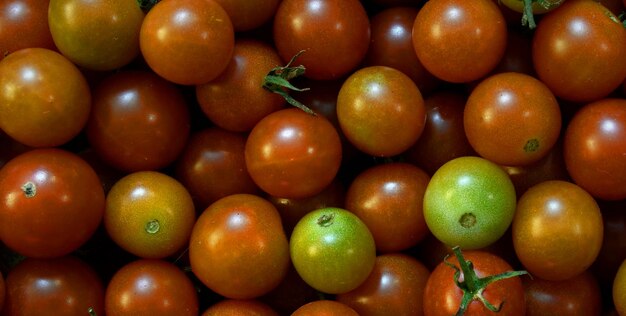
(236, 100)
(326, 308)
(332, 250)
(64, 286)
(249, 14)
(150, 287)
(292, 154)
(388, 198)
(459, 41)
(395, 287)
(238, 247)
(149, 214)
(595, 148)
(557, 230)
(469, 202)
(512, 119)
(443, 296)
(239, 308)
(335, 35)
(138, 121)
(372, 103)
(566, 51)
(24, 24)
(579, 295)
(44, 99)
(96, 34)
(52, 203)
(213, 166)
(619, 289)
(187, 42)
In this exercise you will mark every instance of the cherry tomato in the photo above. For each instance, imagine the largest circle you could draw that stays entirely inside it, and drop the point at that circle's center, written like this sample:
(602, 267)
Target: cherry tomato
(395, 287)
(290, 294)
(335, 35)
(240, 308)
(579, 295)
(469, 202)
(292, 154)
(326, 308)
(459, 41)
(98, 35)
(52, 203)
(388, 198)
(64, 286)
(249, 14)
(138, 121)
(512, 119)
(213, 166)
(24, 24)
(44, 99)
(619, 289)
(150, 287)
(238, 247)
(595, 148)
(557, 230)
(236, 100)
(187, 42)
(372, 103)
(332, 250)
(149, 214)
(566, 54)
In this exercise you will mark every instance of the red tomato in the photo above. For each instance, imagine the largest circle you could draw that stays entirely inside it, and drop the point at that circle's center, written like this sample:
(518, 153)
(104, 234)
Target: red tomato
(150, 287)
(335, 35)
(325, 308)
(576, 296)
(138, 121)
(458, 40)
(293, 154)
(595, 148)
(187, 42)
(238, 248)
(24, 24)
(372, 103)
(566, 54)
(44, 99)
(395, 287)
(64, 286)
(52, 203)
(239, 308)
(249, 14)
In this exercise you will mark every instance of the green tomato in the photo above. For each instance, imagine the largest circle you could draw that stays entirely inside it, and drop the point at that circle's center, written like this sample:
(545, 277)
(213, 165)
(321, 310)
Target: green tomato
(469, 202)
(332, 250)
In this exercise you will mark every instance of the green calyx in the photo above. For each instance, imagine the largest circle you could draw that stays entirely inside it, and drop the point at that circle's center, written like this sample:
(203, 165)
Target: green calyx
(277, 81)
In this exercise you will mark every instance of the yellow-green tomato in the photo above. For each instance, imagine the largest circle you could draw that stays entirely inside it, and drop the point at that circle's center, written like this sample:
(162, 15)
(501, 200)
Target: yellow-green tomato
(469, 202)
(619, 289)
(332, 250)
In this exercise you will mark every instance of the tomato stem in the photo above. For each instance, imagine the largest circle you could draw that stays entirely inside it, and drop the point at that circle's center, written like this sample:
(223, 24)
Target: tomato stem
(472, 285)
(277, 81)
(91, 311)
(527, 17)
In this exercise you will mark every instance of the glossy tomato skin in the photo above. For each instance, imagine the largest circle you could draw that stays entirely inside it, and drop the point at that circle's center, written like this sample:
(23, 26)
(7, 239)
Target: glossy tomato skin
(213, 166)
(138, 121)
(389, 198)
(247, 15)
(557, 230)
(579, 295)
(236, 100)
(469, 202)
(443, 297)
(52, 203)
(579, 71)
(99, 35)
(372, 103)
(325, 307)
(595, 148)
(238, 247)
(619, 289)
(512, 119)
(292, 154)
(459, 41)
(395, 287)
(150, 287)
(44, 99)
(60, 286)
(335, 35)
(187, 42)
(332, 250)
(239, 307)
(24, 24)
(149, 214)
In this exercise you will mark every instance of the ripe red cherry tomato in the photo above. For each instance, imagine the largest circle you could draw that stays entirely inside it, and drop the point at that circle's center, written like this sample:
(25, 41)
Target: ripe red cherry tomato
(24, 24)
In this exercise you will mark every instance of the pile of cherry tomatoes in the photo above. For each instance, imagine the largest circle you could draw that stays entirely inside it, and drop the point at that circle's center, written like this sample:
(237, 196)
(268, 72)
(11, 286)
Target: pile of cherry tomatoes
(312, 157)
